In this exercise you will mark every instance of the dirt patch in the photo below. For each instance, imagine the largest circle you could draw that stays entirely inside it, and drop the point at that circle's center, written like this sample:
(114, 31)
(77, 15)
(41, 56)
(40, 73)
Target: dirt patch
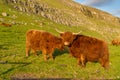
(24, 76)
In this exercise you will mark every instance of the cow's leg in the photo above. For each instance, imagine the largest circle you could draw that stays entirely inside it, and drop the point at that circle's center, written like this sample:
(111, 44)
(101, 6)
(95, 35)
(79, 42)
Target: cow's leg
(44, 54)
(34, 51)
(51, 55)
(27, 51)
(101, 62)
(79, 61)
(28, 48)
(104, 63)
(83, 62)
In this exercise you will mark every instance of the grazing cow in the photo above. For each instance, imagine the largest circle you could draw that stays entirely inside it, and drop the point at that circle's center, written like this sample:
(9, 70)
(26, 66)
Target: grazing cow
(116, 42)
(86, 49)
(44, 41)
(6, 25)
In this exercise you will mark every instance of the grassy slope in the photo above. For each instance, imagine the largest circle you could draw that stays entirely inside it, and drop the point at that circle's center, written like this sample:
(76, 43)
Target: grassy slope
(12, 51)
(108, 30)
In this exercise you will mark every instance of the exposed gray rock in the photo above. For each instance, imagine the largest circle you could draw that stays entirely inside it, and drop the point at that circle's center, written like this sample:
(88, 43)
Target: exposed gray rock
(44, 10)
(63, 16)
(4, 14)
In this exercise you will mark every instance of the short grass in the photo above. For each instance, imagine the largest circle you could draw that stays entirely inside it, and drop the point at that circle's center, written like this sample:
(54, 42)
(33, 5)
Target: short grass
(14, 64)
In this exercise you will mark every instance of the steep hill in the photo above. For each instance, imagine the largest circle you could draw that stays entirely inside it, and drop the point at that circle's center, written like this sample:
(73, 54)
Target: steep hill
(70, 13)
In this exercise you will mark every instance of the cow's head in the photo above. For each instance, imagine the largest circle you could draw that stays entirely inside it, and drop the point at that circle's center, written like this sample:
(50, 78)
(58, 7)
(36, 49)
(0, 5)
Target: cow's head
(67, 36)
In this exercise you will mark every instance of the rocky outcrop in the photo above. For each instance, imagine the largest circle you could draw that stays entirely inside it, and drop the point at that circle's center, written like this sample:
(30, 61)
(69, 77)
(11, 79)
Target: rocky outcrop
(35, 7)
(4, 14)
(68, 13)
(76, 15)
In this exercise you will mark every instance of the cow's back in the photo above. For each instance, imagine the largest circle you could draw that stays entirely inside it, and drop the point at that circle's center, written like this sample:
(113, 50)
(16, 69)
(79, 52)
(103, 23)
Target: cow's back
(34, 38)
(33, 34)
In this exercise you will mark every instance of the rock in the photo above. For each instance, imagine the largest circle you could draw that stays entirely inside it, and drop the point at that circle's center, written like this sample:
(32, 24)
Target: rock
(14, 16)
(4, 14)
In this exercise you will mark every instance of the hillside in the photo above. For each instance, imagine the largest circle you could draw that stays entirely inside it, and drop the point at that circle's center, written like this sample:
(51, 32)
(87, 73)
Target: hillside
(70, 13)
(18, 16)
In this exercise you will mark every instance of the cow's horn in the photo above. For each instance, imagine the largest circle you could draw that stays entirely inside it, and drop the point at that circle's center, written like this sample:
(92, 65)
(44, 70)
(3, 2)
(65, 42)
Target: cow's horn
(78, 32)
(58, 31)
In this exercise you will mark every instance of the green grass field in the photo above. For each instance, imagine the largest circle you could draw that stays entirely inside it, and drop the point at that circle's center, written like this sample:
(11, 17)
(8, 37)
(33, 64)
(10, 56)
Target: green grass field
(14, 63)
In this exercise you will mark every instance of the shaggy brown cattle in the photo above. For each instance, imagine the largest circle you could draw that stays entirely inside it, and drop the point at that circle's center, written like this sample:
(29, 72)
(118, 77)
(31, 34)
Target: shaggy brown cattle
(6, 25)
(86, 49)
(116, 42)
(44, 41)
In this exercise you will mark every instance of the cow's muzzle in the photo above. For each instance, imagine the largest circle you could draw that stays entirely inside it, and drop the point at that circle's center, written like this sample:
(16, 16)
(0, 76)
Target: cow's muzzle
(66, 43)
